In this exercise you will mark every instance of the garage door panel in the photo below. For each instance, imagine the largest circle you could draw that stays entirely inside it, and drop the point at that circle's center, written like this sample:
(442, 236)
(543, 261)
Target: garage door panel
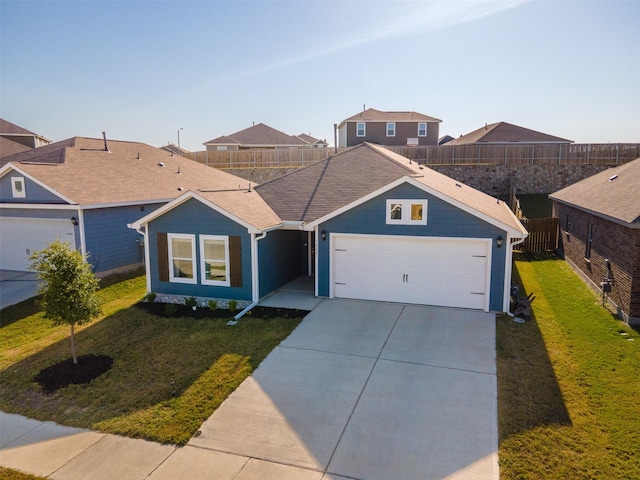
(433, 271)
(21, 237)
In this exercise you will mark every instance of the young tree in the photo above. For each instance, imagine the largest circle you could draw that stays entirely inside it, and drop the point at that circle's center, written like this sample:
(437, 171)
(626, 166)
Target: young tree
(68, 287)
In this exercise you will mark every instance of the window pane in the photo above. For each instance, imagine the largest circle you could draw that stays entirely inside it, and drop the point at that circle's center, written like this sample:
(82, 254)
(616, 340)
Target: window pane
(182, 268)
(214, 250)
(216, 271)
(416, 211)
(422, 129)
(396, 211)
(360, 130)
(391, 129)
(181, 247)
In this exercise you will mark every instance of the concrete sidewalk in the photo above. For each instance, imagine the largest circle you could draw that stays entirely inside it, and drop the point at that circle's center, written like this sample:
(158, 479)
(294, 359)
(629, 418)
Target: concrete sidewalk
(360, 390)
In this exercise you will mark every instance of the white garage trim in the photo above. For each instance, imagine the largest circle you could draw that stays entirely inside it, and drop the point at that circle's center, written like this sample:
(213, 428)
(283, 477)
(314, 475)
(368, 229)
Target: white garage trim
(23, 236)
(444, 271)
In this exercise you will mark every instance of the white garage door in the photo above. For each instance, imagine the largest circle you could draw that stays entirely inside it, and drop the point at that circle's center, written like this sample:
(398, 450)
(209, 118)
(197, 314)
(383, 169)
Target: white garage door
(20, 237)
(430, 271)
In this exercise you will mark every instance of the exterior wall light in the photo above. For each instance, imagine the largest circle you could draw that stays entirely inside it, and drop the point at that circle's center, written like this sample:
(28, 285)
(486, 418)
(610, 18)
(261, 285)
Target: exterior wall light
(499, 242)
(323, 234)
(74, 221)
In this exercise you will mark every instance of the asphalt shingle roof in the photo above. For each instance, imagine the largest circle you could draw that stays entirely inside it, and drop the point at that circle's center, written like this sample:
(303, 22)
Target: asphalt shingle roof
(373, 115)
(83, 172)
(320, 189)
(503, 132)
(259, 135)
(613, 193)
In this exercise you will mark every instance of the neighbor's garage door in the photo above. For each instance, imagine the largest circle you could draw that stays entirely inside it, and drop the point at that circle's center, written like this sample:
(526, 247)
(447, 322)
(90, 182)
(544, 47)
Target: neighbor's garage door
(20, 237)
(430, 271)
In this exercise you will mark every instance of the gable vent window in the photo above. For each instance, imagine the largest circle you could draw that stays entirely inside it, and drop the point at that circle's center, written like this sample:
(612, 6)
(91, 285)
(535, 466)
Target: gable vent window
(406, 212)
(18, 188)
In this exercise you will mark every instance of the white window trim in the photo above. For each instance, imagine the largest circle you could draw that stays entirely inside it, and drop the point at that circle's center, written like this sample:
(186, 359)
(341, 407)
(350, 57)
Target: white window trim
(393, 124)
(364, 129)
(192, 238)
(14, 191)
(203, 270)
(406, 212)
(425, 129)
(221, 149)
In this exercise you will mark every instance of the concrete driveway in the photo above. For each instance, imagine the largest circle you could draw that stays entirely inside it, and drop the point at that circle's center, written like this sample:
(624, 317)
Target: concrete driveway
(369, 390)
(16, 287)
(360, 390)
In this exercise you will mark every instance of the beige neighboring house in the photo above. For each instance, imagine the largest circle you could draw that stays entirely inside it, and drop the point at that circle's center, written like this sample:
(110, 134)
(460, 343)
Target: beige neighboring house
(258, 136)
(389, 128)
(503, 132)
(312, 141)
(15, 139)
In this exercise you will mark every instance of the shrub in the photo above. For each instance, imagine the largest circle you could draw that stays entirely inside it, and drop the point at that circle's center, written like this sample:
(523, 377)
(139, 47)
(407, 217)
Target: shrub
(213, 305)
(232, 305)
(191, 302)
(150, 297)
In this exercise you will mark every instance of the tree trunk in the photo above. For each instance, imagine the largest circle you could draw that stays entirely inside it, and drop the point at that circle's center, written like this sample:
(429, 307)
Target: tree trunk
(74, 354)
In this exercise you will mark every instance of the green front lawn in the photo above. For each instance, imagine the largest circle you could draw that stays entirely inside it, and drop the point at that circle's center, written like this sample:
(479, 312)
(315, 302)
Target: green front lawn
(568, 384)
(168, 374)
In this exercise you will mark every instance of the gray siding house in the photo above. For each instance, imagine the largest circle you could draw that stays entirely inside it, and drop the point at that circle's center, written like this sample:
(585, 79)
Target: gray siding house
(389, 128)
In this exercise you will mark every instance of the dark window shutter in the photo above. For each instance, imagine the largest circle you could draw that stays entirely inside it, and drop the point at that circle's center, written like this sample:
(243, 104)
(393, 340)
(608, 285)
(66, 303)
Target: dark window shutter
(163, 257)
(235, 261)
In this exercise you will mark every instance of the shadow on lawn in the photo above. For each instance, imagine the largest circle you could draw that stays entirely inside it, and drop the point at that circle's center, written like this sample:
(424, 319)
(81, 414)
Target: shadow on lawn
(529, 395)
(155, 361)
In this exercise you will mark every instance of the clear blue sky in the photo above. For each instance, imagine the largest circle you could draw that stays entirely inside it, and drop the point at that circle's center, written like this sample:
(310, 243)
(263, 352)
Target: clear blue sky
(142, 70)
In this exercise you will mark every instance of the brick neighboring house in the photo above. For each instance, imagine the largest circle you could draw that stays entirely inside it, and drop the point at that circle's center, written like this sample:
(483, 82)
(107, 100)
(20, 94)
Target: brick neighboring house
(600, 234)
(257, 136)
(503, 132)
(389, 128)
(15, 139)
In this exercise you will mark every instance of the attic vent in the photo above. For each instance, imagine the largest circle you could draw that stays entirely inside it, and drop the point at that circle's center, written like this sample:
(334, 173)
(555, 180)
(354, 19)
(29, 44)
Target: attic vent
(612, 178)
(138, 156)
(458, 185)
(180, 189)
(160, 164)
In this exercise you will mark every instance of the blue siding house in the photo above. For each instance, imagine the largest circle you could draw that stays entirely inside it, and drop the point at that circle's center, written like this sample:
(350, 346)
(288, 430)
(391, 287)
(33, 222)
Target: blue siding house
(86, 191)
(366, 224)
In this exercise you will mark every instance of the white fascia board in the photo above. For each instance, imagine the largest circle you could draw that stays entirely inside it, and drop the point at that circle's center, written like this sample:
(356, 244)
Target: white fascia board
(292, 225)
(10, 166)
(125, 204)
(38, 206)
(182, 199)
(516, 233)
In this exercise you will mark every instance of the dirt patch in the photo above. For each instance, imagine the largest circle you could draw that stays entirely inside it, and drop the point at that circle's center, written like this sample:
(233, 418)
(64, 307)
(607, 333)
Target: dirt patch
(66, 373)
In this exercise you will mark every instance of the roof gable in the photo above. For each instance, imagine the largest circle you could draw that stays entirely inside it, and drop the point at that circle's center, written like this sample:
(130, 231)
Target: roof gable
(12, 128)
(373, 115)
(503, 132)
(613, 193)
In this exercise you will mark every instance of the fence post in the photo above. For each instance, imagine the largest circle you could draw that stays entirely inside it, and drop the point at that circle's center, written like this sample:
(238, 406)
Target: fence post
(617, 152)
(559, 154)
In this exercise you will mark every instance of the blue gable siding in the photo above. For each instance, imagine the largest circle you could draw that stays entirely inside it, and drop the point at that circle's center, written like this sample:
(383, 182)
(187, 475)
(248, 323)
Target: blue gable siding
(443, 220)
(35, 193)
(193, 217)
(109, 242)
(279, 259)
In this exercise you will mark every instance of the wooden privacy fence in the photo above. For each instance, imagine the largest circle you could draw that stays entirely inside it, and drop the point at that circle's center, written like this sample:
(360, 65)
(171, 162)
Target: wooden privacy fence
(523, 154)
(543, 235)
(509, 154)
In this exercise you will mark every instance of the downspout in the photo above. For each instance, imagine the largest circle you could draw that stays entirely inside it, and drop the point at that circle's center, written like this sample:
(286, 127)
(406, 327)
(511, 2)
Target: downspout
(508, 270)
(83, 244)
(255, 277)
(147, 264)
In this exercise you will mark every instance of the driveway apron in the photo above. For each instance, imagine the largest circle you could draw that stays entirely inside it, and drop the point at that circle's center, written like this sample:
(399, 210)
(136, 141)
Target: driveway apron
(369, 390)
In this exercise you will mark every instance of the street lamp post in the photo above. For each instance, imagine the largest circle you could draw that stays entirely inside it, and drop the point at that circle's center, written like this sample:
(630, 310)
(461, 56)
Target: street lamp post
(179, 150)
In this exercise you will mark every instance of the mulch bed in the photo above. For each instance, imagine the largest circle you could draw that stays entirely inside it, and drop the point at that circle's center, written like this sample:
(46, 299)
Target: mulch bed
(160, 310)
(66, 373)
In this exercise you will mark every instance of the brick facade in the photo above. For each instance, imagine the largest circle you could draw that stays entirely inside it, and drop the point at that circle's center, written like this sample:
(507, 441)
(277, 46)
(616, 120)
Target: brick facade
(610, 241)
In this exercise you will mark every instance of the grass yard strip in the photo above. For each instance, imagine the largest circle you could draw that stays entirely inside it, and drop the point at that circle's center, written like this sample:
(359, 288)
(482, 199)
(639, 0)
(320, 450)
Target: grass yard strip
(168, 374)
(25, 330)
(10, 474)
(567, 383)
